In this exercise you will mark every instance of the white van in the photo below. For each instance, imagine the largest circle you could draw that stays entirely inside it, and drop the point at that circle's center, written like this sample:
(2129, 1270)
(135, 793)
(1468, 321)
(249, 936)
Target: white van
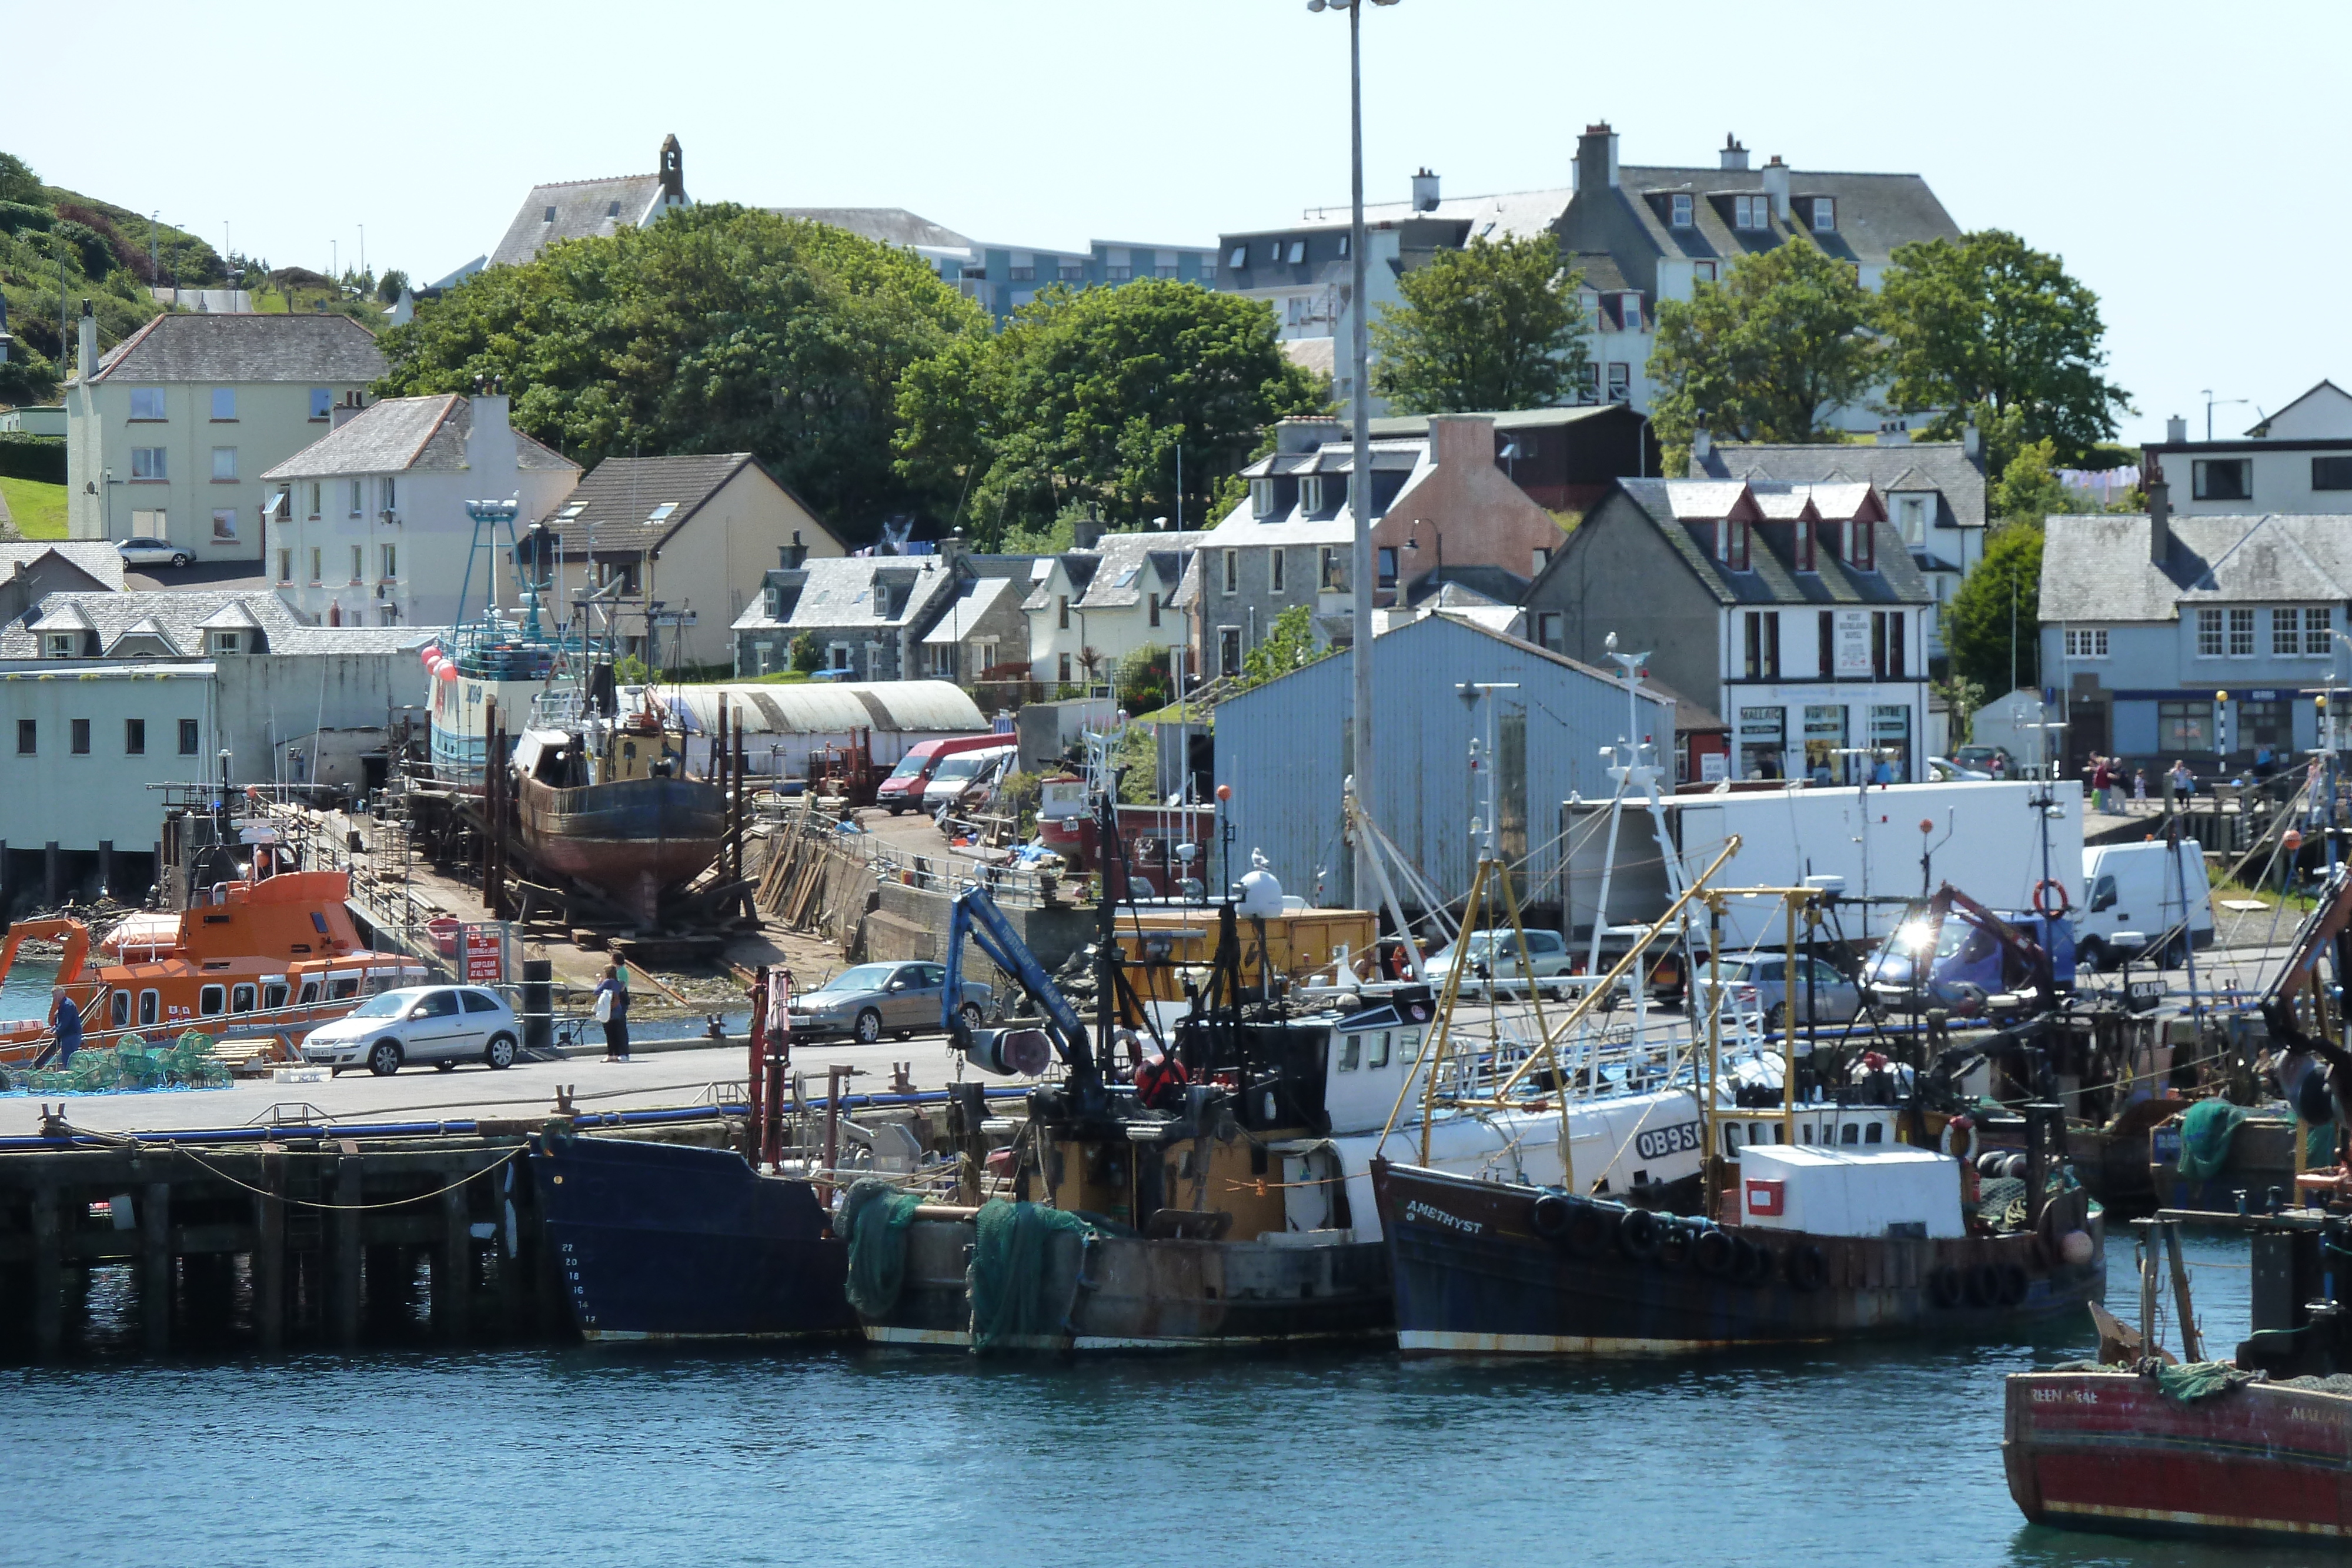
(2129, 891)
(960, 773)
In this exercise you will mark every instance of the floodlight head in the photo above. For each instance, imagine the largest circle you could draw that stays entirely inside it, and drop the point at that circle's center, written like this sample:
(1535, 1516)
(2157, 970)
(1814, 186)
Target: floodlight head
(1610, 641)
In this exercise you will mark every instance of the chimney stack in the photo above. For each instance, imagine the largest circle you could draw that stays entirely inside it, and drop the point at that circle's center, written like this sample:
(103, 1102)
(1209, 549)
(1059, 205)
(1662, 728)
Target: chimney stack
(793, 556)
(2159, 514)
(1702, 445)
(1776, 185)
(2175, 430)
(1424, 191)
(89, 343)
(1596, 157)
(1972, 440)
(1089, 530)
(1734, 155)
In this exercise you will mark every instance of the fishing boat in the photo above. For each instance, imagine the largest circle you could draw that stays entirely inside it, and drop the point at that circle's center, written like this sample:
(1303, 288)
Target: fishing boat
(609, 806)
(264, 960)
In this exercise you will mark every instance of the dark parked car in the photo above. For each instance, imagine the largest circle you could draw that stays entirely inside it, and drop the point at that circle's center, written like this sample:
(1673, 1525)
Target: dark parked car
(874, 999)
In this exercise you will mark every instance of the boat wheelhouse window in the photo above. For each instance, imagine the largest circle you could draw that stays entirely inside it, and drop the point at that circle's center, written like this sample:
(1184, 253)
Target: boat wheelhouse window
(1351, 1054)
(120, 1011)
(211, 1000)
(1874, 1133)
(240, 1000)
(150, 1005)
(342, 986)
(273, 995)
(1380, 1049)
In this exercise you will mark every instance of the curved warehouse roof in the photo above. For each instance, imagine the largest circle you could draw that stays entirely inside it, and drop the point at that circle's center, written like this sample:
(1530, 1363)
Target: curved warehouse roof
(824, 707)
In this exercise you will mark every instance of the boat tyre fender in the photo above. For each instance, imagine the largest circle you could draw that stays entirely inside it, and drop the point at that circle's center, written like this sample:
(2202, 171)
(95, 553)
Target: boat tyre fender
(1676, 1243)
(1589, 1230)
(1711, 1252)
(1808, 1270)
(2013, 1285)
(1944, 1288)
(1639, 1234)
(1549, 1216)
(1983, 1283)
(1752, 1264)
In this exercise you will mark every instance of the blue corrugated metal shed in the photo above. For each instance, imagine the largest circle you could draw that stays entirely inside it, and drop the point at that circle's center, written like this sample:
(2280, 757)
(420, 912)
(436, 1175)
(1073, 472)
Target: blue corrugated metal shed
(1282, 748)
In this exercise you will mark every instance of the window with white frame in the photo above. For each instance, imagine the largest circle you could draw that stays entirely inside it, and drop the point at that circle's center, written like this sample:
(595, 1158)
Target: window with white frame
(2241, 633)
(1629, 312)
(359, 564)
(147, 402)
(1311, 494)
(1261, 497)
(224, 464)
(1296, 254)
(224, 404)
(2208, 634)
(2318, 626)
(1329, 577)
(59, 645)
(150, 524)
(2086, 642)
(391, 562)
(224, 524)
(285, 568)
(1751, 211)
(1276, 560)
(1621, 382)
(149, 463)
(1678, 208)
(1824, 214)
(1911, 517)
(322, 402)
(223, 641)
(1233, 573)
(358, 500)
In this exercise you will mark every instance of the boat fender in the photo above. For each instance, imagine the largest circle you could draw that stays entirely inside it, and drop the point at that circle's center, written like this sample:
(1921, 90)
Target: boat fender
(2077, 1249)
(1944, 1288)
(1988, 1164)
(1712, 1253)
(1983, 1284)
(2014, 1167)
(1808, 1270)
(1589, 1230)
(1676, 1243)
(1965, 1145)
(2013, 1285)
(1639, 1234)
(1751, 1261)
(1549, 1216)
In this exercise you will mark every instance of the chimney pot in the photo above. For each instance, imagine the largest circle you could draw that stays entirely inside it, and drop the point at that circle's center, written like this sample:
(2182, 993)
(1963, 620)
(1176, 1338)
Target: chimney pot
(1702, 445)
(1776, 185)
(1734, 155)
(1596, 157)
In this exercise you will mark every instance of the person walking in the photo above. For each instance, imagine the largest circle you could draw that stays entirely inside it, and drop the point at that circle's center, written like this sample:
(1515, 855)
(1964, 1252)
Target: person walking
(2183, 782)
(65, 1018)
(2139, 787)
(612, 1011)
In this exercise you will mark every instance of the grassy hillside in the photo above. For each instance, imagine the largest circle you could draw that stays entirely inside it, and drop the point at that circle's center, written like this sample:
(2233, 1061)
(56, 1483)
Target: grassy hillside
(39, 509)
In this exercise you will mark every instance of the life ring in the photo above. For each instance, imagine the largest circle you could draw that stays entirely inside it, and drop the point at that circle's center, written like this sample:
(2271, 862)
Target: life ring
(1808, 1270)
(1944, 1288)
(1639, 1235)
(1589, 1230)
(1712, 1253)
(2040, 906)
(1966, 1126)
(1549, 1216)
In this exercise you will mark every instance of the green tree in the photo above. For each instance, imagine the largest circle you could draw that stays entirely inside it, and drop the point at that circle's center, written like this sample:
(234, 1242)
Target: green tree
(1763, 354)
(1290, 645)
(714, 329)
(1987, 327)
(388, 287)
(805, 654)
(2004, 592)
(1494, 326)
(1086, 397)
(2028, 489)
(19, 182)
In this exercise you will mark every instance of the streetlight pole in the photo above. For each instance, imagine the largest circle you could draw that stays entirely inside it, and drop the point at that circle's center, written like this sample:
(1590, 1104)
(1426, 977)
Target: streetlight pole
(1360, 478)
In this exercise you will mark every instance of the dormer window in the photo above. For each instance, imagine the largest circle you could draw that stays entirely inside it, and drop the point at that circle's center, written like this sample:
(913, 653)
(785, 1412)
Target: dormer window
(1731, 543)
(612, 211)
(1911, 517)
(1298, 252)
(1310, 495)
(1239, 258)
(223, 641)
(1751, 211)
(1261, 498)
(60, 644)
(1806, 543)
(1678, 209)
(1862, 546)
(548, 216)
(1629, 311)
(1824, 214)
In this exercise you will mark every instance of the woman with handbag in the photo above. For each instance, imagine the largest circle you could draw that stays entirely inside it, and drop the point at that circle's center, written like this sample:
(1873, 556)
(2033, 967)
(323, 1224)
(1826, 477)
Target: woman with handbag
(612, 1012)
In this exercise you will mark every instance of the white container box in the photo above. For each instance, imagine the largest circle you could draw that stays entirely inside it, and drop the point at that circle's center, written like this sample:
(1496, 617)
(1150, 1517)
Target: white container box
(299, 1075)
(1843, 1192)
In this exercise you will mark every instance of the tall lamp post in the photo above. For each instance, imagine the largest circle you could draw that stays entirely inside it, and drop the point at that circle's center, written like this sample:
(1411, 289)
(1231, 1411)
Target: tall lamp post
(1360, 478)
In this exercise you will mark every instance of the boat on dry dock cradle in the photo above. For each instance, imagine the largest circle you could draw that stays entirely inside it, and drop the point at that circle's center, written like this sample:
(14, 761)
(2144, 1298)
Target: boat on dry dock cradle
(608, 805)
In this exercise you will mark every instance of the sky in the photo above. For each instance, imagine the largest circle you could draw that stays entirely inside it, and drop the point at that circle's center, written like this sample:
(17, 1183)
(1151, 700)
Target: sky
(2160, 149)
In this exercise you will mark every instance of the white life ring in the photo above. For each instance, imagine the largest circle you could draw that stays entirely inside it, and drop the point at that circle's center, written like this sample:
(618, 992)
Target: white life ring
(1968, 1155)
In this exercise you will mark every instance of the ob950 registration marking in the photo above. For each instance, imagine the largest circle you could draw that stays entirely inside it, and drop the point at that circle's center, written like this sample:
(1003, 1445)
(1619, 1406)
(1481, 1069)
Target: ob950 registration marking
(1659, 1142)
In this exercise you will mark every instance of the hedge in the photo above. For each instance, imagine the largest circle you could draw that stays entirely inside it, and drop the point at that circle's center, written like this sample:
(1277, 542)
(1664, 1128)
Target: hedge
(38, 458)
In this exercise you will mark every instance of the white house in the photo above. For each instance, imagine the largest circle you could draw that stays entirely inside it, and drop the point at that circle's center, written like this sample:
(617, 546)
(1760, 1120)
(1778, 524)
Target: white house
(1089, 610)
(2296, 460)
(369, 527)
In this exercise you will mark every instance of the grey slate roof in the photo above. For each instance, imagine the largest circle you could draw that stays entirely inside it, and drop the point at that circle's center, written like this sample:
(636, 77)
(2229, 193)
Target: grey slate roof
(2097, 567)
(1941, 465)
(1674, 504)
(891, 226)
(1875, 213)
(1077, 565)
(1398, 426)
(1118, 578)
(962, 615)
(404, 435)
(318, 349)
(880, 592)
(98, 557)
(583, 209)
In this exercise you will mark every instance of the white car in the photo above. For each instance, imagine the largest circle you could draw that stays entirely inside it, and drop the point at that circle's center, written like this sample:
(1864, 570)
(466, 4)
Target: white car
(443, 1025)
(1495, 952)
(154, 552)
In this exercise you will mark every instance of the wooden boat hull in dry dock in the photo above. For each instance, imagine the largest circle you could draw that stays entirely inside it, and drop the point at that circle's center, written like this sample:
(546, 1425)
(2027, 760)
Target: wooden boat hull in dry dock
(1476, 1273)
(632, 840)
(663, 1241)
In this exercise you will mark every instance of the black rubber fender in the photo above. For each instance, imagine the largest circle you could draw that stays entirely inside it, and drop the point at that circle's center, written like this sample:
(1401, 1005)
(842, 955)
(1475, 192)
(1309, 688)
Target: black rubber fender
(1751, 1261)
(1550, 1214)
(1639, 1234)
(1944, 1288)
(1808, 1270)
(1589, 1230)
(1982, 1282)
(2013, 1285)
(1711, 1252)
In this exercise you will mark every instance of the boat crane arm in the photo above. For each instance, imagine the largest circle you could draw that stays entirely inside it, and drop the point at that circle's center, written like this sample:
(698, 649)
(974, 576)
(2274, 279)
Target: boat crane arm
(974, 915)
(2327, 923)
(1949, 899)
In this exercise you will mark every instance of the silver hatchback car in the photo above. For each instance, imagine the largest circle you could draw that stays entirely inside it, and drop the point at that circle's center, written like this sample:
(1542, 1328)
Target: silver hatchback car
(443, 1025)
(1835, 998)
(874, 999)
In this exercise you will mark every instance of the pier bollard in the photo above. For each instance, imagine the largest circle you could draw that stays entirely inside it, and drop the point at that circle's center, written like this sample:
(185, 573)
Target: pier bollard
(49, 1275)
(538, 1004)
(269, 1252)
(343, 1290)
(155, 1270)
(453, 1267)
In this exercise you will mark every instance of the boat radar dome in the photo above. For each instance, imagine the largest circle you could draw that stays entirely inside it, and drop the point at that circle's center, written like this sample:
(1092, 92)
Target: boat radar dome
(1261, 893)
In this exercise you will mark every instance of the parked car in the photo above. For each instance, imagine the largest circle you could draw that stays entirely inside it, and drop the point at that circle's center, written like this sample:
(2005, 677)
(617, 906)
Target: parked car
(1980, 758)
(154, 552)
(903, 791)
(1495, 953)
(1968, 965)
(1833, 999)
(957, 774)
(873, 999)
(1945, 770)
(978, 790)
(443, 1025)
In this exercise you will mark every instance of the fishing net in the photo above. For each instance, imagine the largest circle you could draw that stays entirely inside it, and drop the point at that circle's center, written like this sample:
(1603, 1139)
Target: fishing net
(130, 1063)
(2206, 1129)
(2199, 1380)
(875, 1215)
(1023, 1282)
(2000, 1202)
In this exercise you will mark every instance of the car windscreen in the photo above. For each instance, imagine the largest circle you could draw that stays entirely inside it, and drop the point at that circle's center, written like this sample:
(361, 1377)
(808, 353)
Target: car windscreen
(962, 765)
(908, 766)
(864, 977)
(384, 1005)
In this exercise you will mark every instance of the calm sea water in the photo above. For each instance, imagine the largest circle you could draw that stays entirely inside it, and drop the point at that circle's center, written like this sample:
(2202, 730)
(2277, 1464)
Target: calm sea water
(1857, 1455)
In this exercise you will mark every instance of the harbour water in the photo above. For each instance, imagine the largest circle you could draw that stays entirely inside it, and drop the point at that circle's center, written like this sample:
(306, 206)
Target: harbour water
(1853, 1455)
